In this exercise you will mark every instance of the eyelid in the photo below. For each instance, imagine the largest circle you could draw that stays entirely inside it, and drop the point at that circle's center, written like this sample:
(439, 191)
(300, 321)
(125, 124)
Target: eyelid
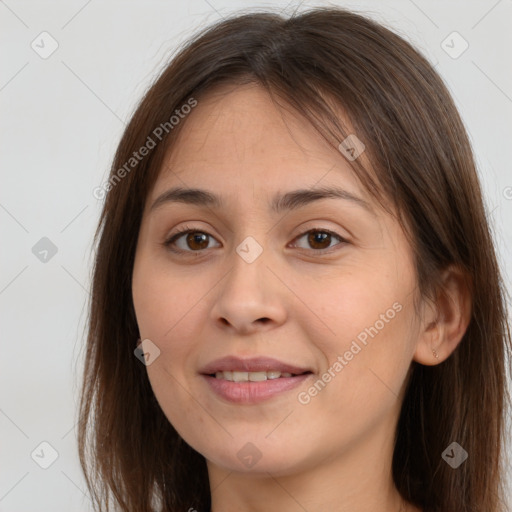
(170, 240)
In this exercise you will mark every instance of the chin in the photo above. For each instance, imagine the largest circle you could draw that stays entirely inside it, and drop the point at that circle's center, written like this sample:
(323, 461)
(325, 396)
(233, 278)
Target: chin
(257, 458)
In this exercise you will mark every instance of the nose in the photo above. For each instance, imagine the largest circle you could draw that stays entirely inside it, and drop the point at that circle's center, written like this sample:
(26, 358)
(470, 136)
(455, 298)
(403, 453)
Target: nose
(250, 297)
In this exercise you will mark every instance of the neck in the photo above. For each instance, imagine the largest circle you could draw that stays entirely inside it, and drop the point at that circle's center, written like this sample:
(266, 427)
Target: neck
(357, 480)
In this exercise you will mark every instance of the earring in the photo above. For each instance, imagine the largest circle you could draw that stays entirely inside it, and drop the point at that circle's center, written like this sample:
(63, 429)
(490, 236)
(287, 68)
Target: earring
(435, 353)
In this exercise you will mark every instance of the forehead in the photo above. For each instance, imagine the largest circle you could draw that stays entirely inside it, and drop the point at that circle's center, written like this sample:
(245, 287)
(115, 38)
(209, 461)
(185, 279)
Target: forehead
(238, 141)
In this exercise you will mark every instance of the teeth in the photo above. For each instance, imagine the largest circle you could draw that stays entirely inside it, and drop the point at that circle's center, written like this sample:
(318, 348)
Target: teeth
(251, 376)
(240, 376)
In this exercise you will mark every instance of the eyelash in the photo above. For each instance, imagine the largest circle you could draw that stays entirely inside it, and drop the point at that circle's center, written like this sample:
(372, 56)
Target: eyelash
(187, 229)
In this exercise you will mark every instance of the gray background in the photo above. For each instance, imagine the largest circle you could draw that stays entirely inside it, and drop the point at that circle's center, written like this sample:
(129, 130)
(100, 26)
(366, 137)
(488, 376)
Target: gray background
(62, 117)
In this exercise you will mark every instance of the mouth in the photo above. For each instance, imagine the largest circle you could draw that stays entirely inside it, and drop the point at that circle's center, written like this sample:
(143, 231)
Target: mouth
(254, 380)
(256, 368)
(243, 376)
(250, 392)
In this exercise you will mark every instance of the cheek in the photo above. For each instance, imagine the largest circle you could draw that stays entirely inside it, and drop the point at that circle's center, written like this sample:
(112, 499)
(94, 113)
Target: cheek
(371, 363)
(168, 313)
(353, 302)
(361, 331)
(160, 300)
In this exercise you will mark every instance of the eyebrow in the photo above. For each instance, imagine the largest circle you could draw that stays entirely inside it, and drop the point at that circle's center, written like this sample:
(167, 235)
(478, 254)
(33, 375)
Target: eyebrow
(281, 202)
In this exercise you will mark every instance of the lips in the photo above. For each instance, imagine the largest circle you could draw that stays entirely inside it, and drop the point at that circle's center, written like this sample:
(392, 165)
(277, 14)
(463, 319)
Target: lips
(252, 393)
(256, 364)
(254, 380)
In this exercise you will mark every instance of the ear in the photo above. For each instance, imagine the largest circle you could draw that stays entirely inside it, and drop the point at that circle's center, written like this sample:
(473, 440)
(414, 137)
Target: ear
(445, 322)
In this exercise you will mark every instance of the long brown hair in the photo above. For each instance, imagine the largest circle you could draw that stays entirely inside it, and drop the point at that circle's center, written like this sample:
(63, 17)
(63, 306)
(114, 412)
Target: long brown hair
(317, 62)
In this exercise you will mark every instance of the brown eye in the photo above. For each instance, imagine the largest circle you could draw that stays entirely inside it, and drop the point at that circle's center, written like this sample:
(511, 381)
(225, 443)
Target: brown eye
(190, 240)
(196, 240)
(320, 239)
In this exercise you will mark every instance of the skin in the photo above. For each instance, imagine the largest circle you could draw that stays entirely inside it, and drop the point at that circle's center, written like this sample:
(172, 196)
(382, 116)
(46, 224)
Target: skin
(335, 452)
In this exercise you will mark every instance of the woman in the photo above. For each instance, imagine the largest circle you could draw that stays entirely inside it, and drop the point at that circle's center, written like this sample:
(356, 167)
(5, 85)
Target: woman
(296, 303)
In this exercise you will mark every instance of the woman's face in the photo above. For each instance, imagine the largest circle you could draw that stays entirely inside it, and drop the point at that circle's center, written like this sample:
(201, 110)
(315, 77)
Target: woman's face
(325, 285)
